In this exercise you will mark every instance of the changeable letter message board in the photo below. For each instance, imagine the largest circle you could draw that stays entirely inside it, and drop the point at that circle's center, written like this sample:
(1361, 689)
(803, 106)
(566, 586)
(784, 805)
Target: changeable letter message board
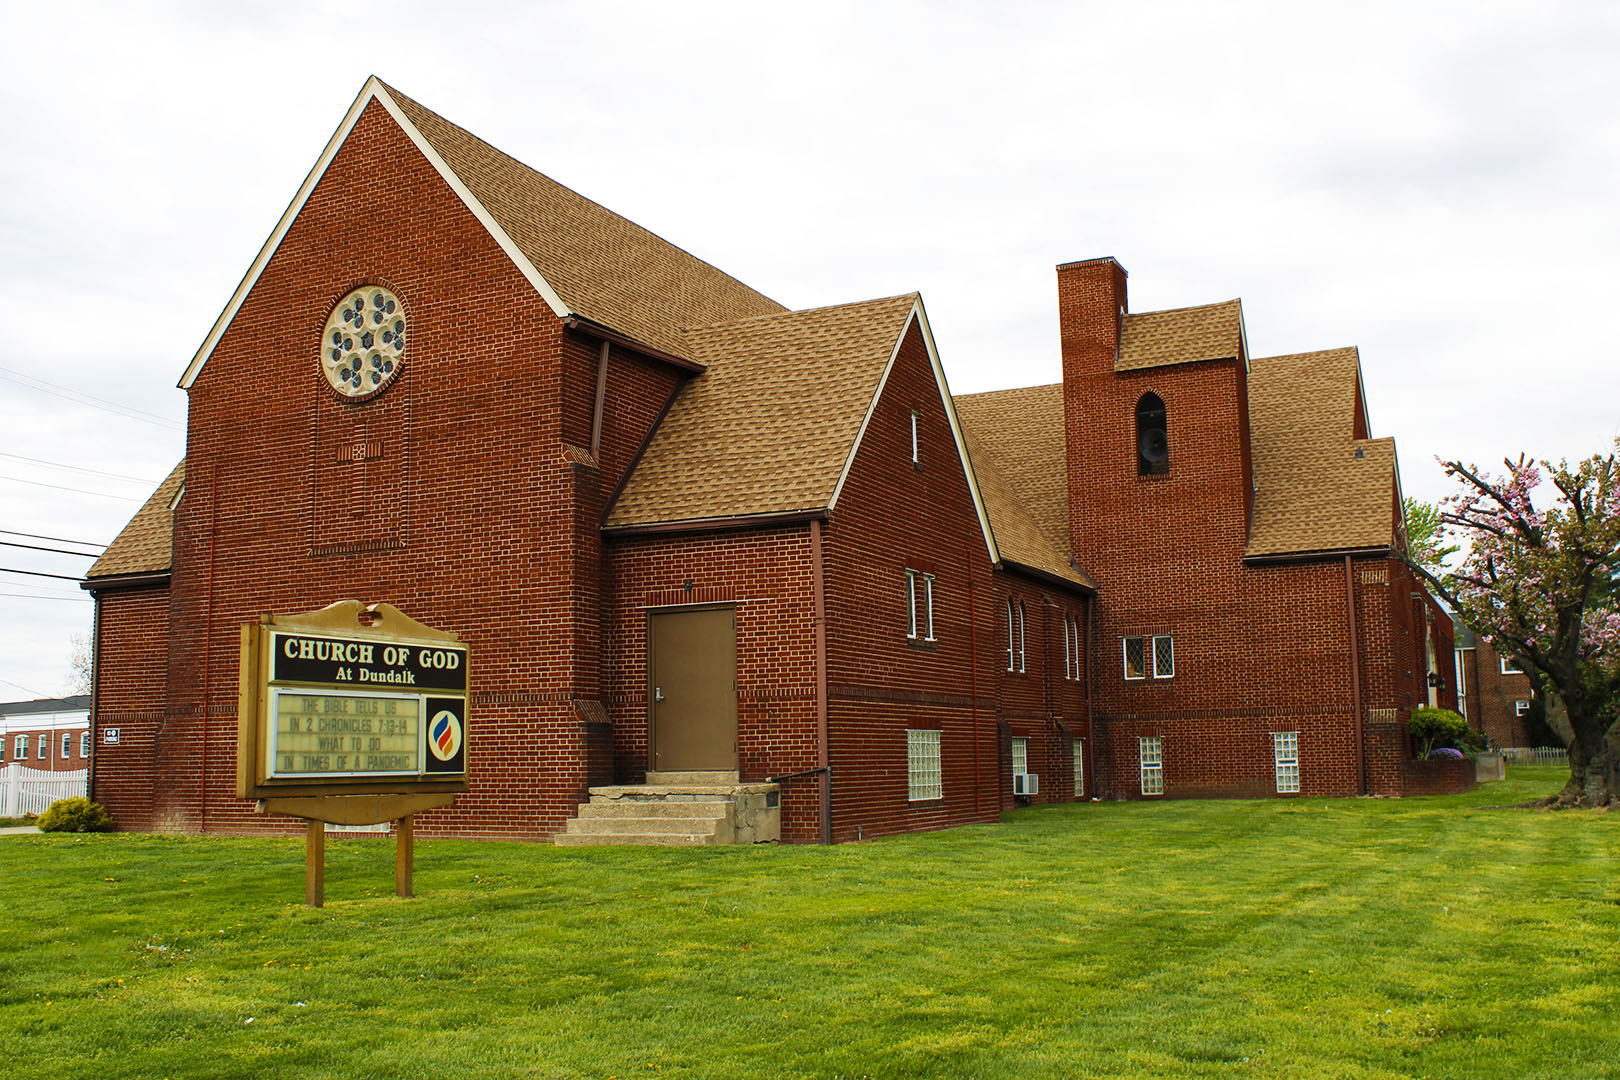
(352, 700)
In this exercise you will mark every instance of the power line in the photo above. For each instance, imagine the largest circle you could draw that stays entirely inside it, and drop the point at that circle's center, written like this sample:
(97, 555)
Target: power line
(58, 551)
(42, 596)
(76, 468)
(39, 573)
(78, 491)
(57, 390)
(30, 689)
(58, 539)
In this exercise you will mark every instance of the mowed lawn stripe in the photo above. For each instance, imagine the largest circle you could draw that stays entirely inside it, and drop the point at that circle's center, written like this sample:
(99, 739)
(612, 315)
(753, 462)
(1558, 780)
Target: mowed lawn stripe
(1356, 938)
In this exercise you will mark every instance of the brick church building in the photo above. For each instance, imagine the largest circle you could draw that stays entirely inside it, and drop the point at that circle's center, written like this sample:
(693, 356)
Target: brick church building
(693, 536)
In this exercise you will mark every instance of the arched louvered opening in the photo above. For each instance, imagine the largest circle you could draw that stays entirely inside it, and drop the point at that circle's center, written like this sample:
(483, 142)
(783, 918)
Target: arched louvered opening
(1152, 437)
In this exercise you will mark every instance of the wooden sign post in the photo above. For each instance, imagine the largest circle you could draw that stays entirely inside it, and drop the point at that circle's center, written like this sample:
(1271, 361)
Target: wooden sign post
(351, 715)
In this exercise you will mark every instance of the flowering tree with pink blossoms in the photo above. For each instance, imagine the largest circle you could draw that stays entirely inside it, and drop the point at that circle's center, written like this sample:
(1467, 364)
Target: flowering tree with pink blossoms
(1543, 586)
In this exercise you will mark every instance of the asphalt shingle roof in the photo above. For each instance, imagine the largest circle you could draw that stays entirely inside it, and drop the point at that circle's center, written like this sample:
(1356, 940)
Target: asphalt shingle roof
(1181, 336)
(146, 544)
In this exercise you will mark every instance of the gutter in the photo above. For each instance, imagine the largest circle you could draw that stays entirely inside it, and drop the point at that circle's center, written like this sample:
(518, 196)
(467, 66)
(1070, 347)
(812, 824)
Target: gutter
(597, 330)
(1381, 552)
(740, 521)
(125, 581)
(1046, 575)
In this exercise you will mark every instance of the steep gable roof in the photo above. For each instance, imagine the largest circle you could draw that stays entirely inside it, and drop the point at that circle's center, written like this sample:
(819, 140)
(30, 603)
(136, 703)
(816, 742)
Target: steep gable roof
(769, 426)
(1181, 336)
(145, 545)
(581, 258)
(1016, 440)
(1318, 488)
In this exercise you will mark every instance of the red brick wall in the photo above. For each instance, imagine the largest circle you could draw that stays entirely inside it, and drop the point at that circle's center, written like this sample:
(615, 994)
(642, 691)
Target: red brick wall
(478, 524)
(51, 740)
(1439, 776)
(132, 665)
(1258, 648)
(1494, 712)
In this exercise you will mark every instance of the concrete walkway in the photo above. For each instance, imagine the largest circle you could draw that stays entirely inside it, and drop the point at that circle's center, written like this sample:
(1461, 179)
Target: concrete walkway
(18, 830)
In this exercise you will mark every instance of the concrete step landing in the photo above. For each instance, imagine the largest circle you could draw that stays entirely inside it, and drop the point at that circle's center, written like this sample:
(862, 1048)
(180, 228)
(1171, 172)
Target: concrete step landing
(684, 809)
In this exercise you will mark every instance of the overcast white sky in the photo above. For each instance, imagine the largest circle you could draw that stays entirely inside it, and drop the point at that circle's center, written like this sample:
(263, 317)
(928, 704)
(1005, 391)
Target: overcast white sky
(1433, 182)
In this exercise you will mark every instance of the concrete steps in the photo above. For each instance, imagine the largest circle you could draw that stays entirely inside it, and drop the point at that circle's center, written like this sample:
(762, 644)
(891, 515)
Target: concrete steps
(681, 809)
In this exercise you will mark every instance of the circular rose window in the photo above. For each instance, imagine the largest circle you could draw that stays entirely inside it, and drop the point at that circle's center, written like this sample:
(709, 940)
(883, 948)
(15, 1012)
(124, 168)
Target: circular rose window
(363, 345)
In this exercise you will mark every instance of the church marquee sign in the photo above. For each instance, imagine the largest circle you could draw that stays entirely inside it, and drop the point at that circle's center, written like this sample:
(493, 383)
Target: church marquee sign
(351, 700)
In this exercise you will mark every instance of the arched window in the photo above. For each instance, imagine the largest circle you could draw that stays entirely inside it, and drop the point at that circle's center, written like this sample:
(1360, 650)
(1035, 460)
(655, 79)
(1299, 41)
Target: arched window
(1152, 437)
(1015, 636)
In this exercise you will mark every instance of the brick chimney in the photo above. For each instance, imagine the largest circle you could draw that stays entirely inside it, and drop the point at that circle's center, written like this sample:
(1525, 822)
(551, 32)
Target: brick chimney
(1091, 305)
(1091, 310)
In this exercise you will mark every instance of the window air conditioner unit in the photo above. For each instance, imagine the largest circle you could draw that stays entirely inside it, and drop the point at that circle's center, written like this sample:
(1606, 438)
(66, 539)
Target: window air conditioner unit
(1026, 783)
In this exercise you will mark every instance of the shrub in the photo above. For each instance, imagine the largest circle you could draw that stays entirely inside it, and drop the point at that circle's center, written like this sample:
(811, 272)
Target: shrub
(1434, 728)
(77, 814)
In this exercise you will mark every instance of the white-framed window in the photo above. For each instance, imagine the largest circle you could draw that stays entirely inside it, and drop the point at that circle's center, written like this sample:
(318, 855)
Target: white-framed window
(1510, 666)
(1150, 656)
(84, 744)
(1079, 768)
(919, 605)
(44, 750)
(1285, 752)
(922, 765)
(1020, 755)
(1521, 708)
(19, 748)
(1151, 752)
(67, 745)
(1015, 635)
(1072, 662)
(916, 437)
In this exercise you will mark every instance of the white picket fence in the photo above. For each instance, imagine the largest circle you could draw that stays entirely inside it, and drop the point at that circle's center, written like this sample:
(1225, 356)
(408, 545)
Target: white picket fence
(30, 791)
(1536, 755)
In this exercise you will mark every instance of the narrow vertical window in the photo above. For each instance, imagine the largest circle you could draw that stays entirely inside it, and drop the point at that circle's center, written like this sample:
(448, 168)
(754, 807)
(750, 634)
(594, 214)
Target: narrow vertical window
(1152, 437)
(19, 748)
(1164, 659)
(44, 746)
(84, 744)
(1152, 757)
(916, 437)
(67, 745)
(1285, 750)
(1021, 639)
(1011, 641)
(1135, 658)
(911, 603)
(928, 601)
(1079, 768)
(923, 774)
(1020, 755)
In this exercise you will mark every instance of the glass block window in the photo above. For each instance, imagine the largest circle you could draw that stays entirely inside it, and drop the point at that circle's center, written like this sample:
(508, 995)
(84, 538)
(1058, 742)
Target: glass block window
(1164, 658)
(922, 764)
(1285, 749)
(1020, 755)
(1152, 756)
(1135, 658)
(1079, 768)
(84, 744)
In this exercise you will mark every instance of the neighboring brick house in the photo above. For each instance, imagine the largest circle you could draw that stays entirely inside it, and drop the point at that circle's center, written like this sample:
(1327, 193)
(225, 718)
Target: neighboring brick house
(46, 733)
(450, 383)
(1257, 632)
(1494, 695)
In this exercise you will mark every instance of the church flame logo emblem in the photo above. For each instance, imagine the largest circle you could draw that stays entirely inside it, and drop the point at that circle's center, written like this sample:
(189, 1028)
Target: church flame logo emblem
(444, 734)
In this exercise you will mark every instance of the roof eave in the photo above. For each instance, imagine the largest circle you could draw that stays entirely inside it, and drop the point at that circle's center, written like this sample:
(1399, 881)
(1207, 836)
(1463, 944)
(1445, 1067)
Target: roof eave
(716, 524)
(1046, 575)
(137, 580)
(574, 321)
(1382, 551)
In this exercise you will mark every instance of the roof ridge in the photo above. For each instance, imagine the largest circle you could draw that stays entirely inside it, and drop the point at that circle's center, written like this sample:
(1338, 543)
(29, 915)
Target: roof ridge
(1309, 352)
(400, 95)
(803, 311)
(1009, 390)
(1189, 307)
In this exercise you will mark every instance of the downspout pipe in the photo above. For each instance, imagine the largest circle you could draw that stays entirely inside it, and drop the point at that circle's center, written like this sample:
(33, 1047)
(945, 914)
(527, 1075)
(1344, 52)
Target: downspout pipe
(823, 756)
(1355, 670)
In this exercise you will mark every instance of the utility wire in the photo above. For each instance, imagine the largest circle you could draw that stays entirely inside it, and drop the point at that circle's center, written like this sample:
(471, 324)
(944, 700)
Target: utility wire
(58, 539)
(58, 551)
(76, 468)
(57, 390)
(78, 491)
(42, 596)
(39, 573)
(30, 689)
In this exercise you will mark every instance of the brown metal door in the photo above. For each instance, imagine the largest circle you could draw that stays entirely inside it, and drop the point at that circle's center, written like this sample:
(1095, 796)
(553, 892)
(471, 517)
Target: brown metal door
(692, 689)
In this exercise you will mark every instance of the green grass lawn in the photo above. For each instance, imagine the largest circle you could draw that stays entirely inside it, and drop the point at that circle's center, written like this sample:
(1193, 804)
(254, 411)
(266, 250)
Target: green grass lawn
(1309, 938)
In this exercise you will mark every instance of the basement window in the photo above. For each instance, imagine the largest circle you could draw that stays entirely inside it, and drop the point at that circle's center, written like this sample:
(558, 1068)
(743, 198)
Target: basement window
(1151, 754)
(1285, 754)
(922, 765)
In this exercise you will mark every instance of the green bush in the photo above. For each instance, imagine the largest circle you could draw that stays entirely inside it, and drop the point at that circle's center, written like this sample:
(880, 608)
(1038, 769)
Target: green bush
(77, 814)
(1435, 728)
